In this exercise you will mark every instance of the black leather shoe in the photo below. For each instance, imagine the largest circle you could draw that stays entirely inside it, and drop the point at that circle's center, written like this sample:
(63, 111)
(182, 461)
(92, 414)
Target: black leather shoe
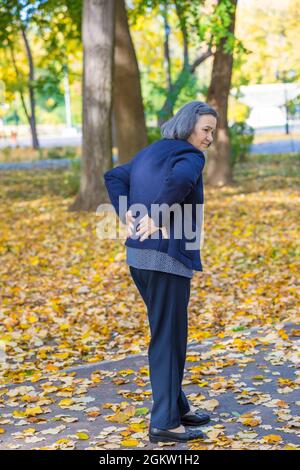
(160, 435)
(196, 419)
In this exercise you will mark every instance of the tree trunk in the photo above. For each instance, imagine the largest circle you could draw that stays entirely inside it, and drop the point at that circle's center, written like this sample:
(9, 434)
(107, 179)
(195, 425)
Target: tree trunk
(98, 46)
(128, 108)
(219, 170)
(167, 55)
(31, 116)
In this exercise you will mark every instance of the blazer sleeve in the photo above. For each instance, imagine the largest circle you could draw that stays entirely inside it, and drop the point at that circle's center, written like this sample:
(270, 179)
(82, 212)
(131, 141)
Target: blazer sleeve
(182, 176)
(117, 182)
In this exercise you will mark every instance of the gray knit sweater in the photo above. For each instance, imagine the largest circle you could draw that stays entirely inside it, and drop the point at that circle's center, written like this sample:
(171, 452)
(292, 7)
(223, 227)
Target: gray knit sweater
(156, 260)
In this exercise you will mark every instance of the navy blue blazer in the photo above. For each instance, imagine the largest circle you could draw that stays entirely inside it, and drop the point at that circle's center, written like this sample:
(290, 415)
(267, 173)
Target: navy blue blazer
(167, 171)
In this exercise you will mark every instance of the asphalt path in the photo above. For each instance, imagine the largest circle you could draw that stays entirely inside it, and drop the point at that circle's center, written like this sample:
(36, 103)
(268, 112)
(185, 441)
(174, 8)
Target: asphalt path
(247, 382)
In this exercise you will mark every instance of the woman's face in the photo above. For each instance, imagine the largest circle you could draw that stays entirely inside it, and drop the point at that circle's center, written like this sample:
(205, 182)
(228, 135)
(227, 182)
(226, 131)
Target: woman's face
(204, 132)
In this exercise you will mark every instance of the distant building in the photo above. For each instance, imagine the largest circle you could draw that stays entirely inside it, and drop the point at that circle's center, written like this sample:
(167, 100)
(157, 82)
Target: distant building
(267, 103)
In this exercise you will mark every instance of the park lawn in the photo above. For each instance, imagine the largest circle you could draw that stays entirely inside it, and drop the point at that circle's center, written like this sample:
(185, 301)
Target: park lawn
(67, 296)
(21, 154)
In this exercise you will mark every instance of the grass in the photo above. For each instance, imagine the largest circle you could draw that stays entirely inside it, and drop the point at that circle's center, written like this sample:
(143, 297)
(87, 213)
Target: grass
(256, 173)
(16, 155)
(273, 170)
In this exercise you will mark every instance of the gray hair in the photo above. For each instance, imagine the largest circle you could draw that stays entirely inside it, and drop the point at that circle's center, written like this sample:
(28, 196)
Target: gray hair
(181, 125)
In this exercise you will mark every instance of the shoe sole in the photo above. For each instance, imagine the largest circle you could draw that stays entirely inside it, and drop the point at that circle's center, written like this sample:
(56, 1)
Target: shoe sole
(185, 423)
(155, 439)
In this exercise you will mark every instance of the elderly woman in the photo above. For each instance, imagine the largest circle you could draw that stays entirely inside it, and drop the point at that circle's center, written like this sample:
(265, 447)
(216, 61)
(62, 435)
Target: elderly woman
(166, 173)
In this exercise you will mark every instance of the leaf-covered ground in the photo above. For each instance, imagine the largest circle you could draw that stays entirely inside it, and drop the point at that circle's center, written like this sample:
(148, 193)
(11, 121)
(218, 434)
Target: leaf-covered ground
(247, 381)
(67, 297)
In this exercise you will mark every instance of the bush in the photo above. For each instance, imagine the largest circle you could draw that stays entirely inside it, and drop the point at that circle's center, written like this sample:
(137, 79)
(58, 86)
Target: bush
(153, 134)
(6, 154)
(241, 137)
(72, 178)
(62, 152)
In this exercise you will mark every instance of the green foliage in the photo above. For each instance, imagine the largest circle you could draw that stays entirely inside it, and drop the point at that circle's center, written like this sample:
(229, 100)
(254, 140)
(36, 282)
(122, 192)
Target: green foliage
(189, 91)
(49, 94)
(75, 13)
(153, 134)
(6, 154)
(153, 96)
(241, 138)
(53, 30)
(294, 107)
(62, 152)
(72, 178)
(283, 169)
(19, 154)
(191, 23)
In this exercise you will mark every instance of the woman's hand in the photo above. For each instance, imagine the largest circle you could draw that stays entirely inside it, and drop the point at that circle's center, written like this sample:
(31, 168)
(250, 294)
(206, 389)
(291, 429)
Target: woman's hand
(129, 223)
(147, 227)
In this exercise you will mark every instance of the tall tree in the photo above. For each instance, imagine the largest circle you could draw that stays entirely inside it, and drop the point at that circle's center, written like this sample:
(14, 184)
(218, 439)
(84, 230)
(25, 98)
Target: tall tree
(30, 115)
(219, 171)
(184, 10)
(98, 46)
(15, 17)
(128, 110)
(201, 27)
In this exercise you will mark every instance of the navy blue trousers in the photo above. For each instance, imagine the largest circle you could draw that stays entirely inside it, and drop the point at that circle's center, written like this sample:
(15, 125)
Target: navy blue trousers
(166, 297)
